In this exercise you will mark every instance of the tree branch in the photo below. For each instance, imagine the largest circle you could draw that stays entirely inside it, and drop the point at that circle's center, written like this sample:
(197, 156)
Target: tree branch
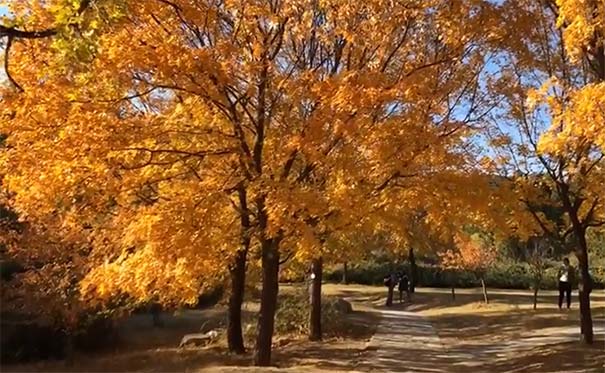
(9, 43)
(12, 33)
(200, 153)
(290, 255)
(38, 34)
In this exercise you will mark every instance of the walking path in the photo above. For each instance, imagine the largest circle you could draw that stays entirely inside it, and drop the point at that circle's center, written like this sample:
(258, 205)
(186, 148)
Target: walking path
(407, 342)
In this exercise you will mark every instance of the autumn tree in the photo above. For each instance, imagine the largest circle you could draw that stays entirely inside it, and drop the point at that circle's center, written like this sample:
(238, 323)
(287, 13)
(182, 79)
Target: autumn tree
(547, 135)
(538, 252)
(470, 254)
(183, 133)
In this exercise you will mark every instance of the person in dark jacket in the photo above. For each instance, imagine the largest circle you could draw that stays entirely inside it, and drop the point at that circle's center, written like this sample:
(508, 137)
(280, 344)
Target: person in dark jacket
(390, 281)
(404, 286)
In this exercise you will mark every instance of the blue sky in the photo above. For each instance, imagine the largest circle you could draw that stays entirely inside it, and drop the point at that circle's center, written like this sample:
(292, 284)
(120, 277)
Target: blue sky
(3, 12)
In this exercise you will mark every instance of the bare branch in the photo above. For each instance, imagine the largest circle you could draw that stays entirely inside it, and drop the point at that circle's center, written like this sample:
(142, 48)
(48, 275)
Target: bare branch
(283, 261)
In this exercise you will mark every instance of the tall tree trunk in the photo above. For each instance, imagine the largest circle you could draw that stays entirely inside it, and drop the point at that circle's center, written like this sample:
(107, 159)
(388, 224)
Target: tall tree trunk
(237, 272)
(585, 283)
(413, 270)
(268, 301)
(536, 289)
(345, 274)
(485, 298)
(315, 301)
(69, 349)
(453, 294)
(584, 289)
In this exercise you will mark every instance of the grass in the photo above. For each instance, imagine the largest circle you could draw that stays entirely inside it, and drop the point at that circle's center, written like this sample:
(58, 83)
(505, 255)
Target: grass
(505, 336)
(147, 349)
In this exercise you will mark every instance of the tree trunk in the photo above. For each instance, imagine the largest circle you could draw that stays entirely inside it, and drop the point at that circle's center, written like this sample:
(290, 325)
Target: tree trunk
(268, 301)
(315, 301)
(237, 272)
(345, 274)
(485, 298)
(453, 294)
(585, 284)
(413, 270)
(536, 289)
(584, 289)
(156, 310)
(69, 349)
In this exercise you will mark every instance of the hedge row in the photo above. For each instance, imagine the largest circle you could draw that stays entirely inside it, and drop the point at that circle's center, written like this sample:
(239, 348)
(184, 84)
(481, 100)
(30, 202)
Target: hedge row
(503, 275)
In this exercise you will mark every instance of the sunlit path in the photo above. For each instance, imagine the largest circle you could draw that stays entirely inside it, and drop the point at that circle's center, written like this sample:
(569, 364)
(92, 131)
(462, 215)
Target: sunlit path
(517, 354)
(405, 342)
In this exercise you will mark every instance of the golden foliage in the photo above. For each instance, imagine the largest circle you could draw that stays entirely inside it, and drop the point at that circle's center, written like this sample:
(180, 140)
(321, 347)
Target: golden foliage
(153, 130)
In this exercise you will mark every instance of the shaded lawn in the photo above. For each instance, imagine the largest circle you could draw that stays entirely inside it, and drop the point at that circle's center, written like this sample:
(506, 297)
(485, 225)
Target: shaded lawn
(147, 349)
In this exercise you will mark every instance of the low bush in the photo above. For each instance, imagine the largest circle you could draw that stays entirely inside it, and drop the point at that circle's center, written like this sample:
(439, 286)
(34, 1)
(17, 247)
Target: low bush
(507, 275)
(25, 340)
(292, 314)
(210, 298)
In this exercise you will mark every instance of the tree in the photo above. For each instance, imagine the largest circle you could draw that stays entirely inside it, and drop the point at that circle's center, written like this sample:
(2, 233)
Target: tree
(470, 254)
(551, 103)
(345, 273)
(237, 271)
(537, 261)
(322, 113)
(413, 270)
(315, 301)
(584, 40)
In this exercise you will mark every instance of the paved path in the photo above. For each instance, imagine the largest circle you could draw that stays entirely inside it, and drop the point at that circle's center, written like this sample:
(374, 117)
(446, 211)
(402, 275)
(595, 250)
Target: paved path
(489, 355)
(406, 342)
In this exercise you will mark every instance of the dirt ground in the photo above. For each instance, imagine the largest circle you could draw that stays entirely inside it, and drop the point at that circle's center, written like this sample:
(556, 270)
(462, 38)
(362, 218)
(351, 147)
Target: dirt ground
(144, 348)
(466, 327)
(508, 335)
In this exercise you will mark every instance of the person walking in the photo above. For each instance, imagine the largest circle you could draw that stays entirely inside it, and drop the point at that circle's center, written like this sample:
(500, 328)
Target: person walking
(565, 281)
(404, 286)
(390, 281)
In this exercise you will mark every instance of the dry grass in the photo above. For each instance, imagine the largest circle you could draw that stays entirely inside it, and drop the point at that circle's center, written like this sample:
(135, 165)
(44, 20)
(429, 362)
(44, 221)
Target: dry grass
(147, 349)
(475, 335)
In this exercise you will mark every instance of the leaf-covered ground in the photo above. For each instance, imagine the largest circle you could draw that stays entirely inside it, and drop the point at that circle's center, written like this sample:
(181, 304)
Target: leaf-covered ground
(504, 336)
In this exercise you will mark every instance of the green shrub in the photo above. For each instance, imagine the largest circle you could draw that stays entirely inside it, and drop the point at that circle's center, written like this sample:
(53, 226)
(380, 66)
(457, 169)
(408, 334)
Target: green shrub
(507, 275)
(210, 298)
(367, 273)
(292, 314)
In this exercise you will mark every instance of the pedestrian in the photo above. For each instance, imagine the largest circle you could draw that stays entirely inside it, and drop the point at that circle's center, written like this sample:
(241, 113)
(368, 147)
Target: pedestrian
(565, 275)
(390, 281)
(404, 286)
